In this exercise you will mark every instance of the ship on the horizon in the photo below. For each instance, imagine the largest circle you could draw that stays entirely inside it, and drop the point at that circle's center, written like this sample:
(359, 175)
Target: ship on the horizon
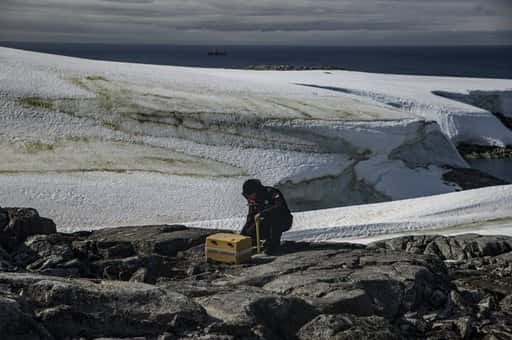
(216, 52)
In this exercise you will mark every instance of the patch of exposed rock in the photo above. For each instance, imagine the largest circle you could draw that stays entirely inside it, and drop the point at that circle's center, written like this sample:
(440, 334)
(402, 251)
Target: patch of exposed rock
(472, 151)
(151, 282)
(16, 224)
(468, 179)
(291, 67)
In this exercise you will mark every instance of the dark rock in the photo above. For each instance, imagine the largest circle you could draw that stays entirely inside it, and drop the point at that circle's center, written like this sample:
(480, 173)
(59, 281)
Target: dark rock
(246, 307)
(465, 327)
(48, 245)
(473, 151)
(506, 304)
(412, 325)
(77, 307)
(486, 306)
(292, 67)
(24, 222)
(354, 281)
(498, 327)
(51, 254)
(345, 326)
(460, 302)
(438, 298)
(141, 275)
(468, 178)
(167, 336)
(17, 322)
(113, 250)
(355, 301)
(165, 240)
(196, 269)
(4, 218)
(431, 287)
(6, 262)
(443, 330)
(458, 247)
(505, 259)
(115, 253)
(117, 269)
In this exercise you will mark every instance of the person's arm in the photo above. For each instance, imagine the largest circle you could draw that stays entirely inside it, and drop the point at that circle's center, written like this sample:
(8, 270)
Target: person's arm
(249, 223)
(277, 203)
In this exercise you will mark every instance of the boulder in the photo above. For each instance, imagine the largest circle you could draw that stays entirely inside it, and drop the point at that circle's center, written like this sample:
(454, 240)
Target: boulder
(83, 308)
(18, 322)
(361, 281)
(459, 247)
(24, 222)
(51, 254)
(5, 261)
(347, 326)
(247, 308)
(164, 240)
(114, 253)
(498, 327)
(506, 304)
(4, 218)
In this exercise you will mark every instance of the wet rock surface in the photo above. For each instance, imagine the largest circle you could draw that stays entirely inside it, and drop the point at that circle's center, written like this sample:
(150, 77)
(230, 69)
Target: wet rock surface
(152, 282)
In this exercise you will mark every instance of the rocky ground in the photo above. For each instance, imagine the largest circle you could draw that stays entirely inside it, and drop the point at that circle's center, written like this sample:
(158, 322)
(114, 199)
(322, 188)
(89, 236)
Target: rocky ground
(152, 282)
(471, 151)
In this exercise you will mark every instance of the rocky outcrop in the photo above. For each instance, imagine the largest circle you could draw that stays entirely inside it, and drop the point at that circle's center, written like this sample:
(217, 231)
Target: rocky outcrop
(460, 247)
(247, 307)
(472, 151)
(152, 282)
(468, 179)
(480, 268)
(72, 308)
(16, 224)
(355, 281)
(347, 327)
(129, 253)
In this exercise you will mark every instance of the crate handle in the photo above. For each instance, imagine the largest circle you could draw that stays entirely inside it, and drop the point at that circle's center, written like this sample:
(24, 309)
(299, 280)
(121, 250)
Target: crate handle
(230, 244)
(213, 242)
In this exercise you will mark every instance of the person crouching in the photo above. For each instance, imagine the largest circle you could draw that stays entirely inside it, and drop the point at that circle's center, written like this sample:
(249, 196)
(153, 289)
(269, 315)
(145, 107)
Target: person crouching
(268, 205)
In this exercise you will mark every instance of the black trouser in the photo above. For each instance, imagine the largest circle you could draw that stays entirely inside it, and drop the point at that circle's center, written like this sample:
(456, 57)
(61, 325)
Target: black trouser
(270, 231)
(273, 239)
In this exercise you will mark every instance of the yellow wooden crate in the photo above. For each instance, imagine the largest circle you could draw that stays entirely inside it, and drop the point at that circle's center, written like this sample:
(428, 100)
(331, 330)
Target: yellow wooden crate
(228, 248)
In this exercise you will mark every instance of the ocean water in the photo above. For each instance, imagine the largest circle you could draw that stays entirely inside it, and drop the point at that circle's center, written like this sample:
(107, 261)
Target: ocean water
(501, 168)
(467, 61)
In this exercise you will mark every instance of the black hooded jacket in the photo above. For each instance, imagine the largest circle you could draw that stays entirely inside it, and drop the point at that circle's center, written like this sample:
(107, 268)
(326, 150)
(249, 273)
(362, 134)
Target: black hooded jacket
(273, 210)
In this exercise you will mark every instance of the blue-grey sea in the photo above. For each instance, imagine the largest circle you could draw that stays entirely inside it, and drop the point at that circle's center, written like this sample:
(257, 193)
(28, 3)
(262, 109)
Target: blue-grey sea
(466, 61)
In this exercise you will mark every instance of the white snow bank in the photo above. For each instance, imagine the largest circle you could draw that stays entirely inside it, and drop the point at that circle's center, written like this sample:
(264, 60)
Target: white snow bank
(434, 214)
(77, 201)
(93, 143)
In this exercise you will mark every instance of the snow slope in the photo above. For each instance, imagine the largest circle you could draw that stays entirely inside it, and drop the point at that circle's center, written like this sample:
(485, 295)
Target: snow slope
(485, 210)
(93, 143)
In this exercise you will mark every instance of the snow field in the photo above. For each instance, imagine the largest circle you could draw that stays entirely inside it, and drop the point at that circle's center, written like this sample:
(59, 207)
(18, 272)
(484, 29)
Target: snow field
(93, 143)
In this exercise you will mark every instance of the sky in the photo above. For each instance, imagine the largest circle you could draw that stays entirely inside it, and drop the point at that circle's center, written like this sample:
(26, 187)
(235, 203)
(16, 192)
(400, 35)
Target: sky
(263, 22)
